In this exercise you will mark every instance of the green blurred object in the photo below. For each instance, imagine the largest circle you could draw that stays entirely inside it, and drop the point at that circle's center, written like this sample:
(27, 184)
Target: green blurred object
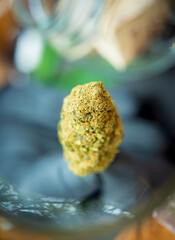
(54, 70)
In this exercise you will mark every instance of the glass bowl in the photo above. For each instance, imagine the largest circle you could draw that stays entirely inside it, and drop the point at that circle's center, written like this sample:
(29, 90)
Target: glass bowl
(37, 190)
(40, 193)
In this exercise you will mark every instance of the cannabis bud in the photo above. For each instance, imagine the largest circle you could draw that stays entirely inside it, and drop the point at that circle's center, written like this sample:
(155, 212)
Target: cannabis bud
(90, 129)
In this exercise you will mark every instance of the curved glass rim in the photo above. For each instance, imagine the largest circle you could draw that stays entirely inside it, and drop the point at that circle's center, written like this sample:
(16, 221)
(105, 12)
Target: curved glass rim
(139, 211)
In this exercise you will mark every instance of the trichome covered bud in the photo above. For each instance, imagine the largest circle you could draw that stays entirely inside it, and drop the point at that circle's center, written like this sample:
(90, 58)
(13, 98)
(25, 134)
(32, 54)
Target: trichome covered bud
(90, 129)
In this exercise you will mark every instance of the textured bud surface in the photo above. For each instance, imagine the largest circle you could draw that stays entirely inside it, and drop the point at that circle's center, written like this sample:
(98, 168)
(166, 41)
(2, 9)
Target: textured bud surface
(90, 129)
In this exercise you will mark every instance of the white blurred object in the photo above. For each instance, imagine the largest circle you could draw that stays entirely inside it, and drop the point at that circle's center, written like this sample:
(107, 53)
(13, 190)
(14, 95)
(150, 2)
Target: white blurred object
(29, 49)
(125, 30)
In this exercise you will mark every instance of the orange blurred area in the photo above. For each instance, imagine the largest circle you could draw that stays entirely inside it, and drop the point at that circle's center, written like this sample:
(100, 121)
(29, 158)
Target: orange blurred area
(148, 229)
(14, 234)
(8, 29)
(8, 33)
(5, 68)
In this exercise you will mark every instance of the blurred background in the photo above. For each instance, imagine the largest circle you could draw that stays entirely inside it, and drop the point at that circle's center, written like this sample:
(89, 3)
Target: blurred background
(48, 47)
